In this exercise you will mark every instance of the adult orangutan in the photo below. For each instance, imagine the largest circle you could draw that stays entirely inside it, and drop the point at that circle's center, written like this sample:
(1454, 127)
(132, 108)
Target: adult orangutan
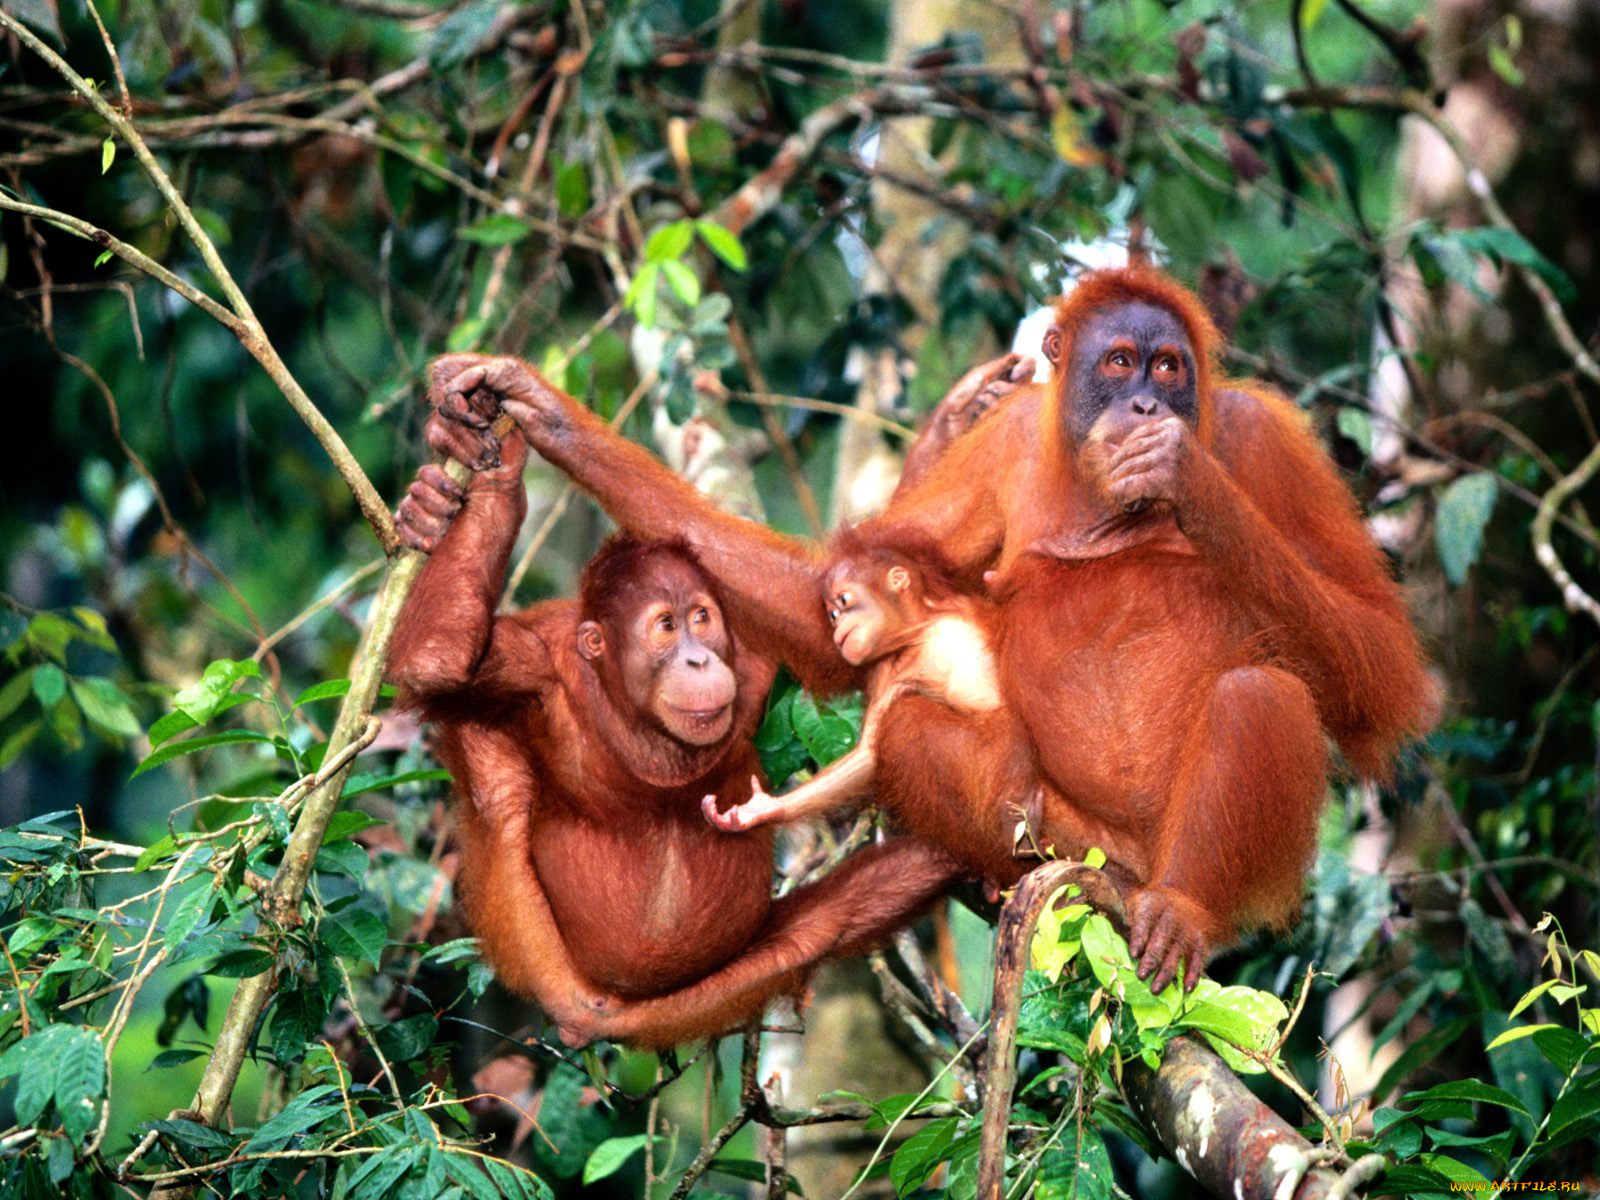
(582, 736)
(1189, 600)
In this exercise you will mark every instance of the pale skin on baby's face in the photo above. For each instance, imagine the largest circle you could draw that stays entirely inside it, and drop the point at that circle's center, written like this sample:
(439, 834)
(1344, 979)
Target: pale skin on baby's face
(861, 620)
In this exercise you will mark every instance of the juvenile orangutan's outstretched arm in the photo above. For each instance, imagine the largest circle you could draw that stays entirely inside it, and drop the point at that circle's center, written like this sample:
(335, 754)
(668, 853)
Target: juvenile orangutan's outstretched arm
(841, 782)
(848, 778)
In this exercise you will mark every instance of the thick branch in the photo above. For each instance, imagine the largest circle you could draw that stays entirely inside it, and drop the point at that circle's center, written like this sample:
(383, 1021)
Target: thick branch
(1204, 1117)
(1232, 1143)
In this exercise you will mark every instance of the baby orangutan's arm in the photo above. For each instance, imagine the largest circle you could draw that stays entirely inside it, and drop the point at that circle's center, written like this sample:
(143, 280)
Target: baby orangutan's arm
(845, 779)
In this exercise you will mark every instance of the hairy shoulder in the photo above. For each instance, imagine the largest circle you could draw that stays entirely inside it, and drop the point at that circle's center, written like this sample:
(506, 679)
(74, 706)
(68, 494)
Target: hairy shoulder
(1251, 418)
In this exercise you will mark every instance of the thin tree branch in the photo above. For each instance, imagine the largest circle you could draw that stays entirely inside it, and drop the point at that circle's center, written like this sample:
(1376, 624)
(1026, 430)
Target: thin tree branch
(249, 331)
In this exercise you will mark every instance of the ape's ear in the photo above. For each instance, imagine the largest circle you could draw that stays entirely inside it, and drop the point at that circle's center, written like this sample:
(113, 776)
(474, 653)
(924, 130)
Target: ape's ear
(591, 640)
(1054, 342)
(899, 579)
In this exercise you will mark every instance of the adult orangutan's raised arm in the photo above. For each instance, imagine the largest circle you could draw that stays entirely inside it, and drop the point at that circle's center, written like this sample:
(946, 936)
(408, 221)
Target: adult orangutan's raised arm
(768, 581)
(967, 401)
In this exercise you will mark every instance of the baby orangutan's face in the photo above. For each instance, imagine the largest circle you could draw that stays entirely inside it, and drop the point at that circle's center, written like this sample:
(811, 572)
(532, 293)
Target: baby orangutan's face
(863, 611)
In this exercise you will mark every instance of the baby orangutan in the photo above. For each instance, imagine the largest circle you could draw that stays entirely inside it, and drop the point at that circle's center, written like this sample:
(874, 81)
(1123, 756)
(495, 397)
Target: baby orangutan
(938, 746)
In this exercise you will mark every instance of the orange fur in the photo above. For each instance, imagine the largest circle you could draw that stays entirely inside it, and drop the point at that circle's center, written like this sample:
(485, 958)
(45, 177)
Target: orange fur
(1174, 673)
(587, 871)
(1175, 679)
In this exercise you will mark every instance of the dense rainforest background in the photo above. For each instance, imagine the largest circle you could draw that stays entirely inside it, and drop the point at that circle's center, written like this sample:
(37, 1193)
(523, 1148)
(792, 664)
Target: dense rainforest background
(763, 236)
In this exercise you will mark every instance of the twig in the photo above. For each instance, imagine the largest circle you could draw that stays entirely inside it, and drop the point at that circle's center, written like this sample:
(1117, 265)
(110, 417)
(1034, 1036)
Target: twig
(752, 1102)
(1017, 921)
(248, 329)
(366, 1031)
(775, 430)
(848, 411)
(326, 599)
(907, 1114)
(1574, 597)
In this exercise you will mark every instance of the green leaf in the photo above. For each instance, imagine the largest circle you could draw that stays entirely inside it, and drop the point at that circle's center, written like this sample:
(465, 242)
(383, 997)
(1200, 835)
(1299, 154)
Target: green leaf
(572, 190)
(30, 934)
(373, 781)
(496, 229)
(191, 1135)
(1503, 66)
(724, 244)
(354, 933)
(669, 243)
(1465, 507)
(18, 742)
(1507, 245)
(1080, 1174)
(104, 703)
(346, 822)
(461, 33)
(1574, 1107)
(49, 684)
(826, 729)
(467, 336)
(684, 281)
(1563, 1048)
(175, 722)
(59, 1160)
(108, 155)
(49, 634)
(641, 296)
(157, 850)
(343, 858)
(103, 258)
(920, 1153)
(203, 699)
(1426, 1048)
(1453, 1169)
(1467, 1089)
(305, 1112)
(63, 1063)
(609, 1156)
(1356, 424)
(1241, 1016)
(376, 1176)
(407, 1038)
(174, 750)
(17, 689)
(325, 690)
(190, 911)
(95, 625)
(1516, 1033)
(80, 1079)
